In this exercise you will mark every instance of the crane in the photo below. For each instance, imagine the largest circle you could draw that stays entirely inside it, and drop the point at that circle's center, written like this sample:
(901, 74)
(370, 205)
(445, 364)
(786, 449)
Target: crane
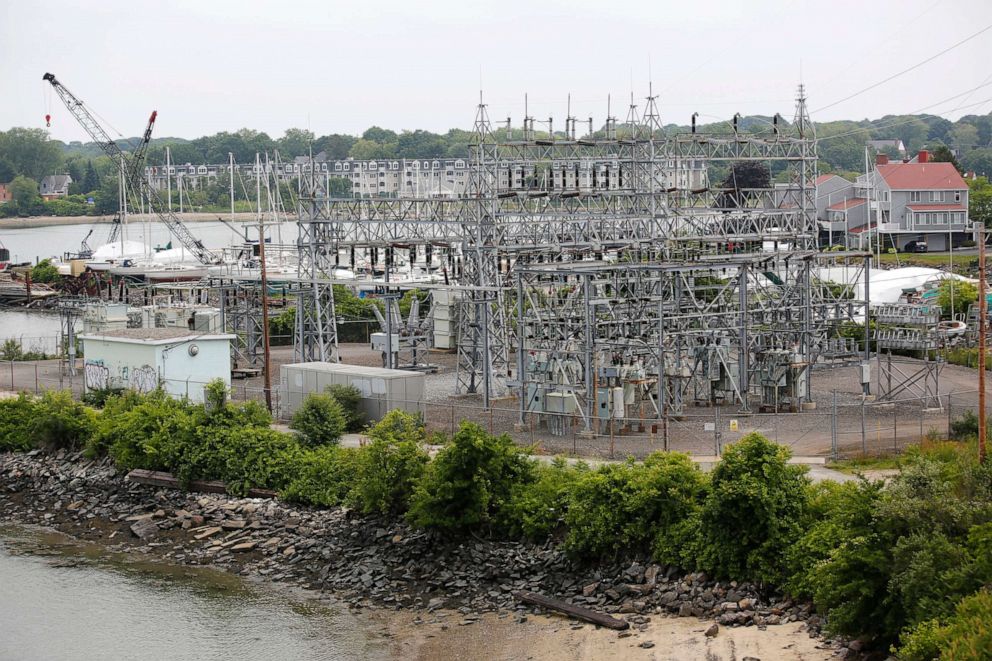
(134, 169)
(130, 170)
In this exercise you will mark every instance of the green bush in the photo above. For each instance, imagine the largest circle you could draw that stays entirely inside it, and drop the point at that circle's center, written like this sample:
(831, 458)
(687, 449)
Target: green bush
(249, 457)
(60, 422)
(624, 507)
(133, 428)
(966, 426)
(536, 509)
(753, 512)
(319, 421)
(837, 512)
(389, 467)
(967, 636)
(350, 399)
(98, 398)
(322, 476)
(469, 481)
(911, 560)
(44, 271)
(16, 414)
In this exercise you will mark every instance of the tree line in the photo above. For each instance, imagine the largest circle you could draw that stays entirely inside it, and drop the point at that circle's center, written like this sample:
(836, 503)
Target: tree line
(27, 155)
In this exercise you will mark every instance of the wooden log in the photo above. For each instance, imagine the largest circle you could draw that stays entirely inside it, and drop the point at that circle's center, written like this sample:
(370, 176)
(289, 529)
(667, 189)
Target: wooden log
(167, 480)
(578, 612)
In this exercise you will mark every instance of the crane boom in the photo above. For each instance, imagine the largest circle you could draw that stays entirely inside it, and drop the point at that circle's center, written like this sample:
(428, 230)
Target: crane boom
(130, 170)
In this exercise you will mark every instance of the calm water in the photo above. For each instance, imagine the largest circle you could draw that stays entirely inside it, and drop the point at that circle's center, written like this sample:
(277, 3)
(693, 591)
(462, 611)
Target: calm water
(40, 242)
(62, 601)
(35, 330)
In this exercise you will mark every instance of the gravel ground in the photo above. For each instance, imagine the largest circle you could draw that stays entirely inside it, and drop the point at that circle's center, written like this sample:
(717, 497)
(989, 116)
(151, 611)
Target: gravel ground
(885, 427)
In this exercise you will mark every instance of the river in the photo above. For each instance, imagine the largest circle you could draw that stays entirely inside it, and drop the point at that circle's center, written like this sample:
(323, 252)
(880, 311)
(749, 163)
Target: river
(61, 600)
(27, 244)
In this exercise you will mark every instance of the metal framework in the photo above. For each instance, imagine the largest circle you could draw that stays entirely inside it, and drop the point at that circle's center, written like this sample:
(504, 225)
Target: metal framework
(735, 328)
(551, 204)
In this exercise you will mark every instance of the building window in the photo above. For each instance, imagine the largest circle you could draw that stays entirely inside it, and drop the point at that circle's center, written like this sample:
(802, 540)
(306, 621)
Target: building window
(936, 196)
(916, 196)
(957, 196)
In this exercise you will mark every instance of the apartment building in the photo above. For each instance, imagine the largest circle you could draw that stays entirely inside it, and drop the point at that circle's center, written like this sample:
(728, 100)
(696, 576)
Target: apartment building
(437, 177)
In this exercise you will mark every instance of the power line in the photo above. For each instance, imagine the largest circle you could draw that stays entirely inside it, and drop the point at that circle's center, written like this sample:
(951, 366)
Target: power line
(907, 70)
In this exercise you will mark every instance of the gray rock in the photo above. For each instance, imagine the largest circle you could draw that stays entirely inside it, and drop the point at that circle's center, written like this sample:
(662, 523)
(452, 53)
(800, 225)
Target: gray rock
(713, 630)
(144, 530)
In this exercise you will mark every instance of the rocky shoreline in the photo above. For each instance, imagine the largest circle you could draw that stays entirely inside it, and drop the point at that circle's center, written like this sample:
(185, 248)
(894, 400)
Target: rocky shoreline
(366, 562)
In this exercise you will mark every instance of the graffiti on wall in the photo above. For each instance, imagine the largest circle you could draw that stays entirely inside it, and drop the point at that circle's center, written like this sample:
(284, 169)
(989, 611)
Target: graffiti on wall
(96, 375)
(144, 378)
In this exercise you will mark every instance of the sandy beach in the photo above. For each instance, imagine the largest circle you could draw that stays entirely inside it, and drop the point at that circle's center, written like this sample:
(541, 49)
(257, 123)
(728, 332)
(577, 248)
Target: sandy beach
(552, 638)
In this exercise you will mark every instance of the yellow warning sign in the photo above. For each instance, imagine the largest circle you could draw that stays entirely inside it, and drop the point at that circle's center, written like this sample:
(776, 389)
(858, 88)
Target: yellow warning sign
(733, 425)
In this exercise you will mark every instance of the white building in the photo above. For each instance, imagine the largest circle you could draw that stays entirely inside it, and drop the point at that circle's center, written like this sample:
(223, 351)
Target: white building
(182, 362)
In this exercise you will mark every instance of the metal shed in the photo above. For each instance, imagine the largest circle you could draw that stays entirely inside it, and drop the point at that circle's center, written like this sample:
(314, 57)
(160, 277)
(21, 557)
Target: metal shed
(382, 389)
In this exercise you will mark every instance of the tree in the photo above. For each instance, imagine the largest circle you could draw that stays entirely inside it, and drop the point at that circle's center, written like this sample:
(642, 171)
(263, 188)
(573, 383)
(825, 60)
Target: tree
(978, 161)
(30, 152)
(744, 175)
(24, 193)
(91, 181)
(105, 197)
(980, 200)
(7, 172)
(336, 145)
(295, 142)
(942, 154)
(961, 292)
(376, 134)
(963, 136)
(364, 150)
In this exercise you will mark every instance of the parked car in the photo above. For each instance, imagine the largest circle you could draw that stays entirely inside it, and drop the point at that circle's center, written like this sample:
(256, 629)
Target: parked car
(915, 246)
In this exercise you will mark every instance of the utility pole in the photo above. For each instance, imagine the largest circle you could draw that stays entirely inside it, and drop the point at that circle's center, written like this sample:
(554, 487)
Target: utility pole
(982, 313)
(267, 372)
(230, 174)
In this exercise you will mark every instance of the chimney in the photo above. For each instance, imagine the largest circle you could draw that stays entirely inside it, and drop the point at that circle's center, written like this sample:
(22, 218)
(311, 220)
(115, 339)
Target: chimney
(924, 156)
(881, 159)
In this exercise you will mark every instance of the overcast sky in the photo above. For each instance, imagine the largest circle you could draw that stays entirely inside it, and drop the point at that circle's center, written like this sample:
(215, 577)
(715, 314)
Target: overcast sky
(210, 65)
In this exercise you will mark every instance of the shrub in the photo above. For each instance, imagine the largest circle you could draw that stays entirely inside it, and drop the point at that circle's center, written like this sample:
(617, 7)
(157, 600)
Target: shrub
(536, 509)
(839, 512)
(253, 457)
(59, 421)
(16, 414)
(319, 421)
(752, 514)
(389, 467)
(44, 271)
(98, 398)
(965, 426)
(469, 481)
(133, 429)
(967, 636)
(350, 399)
(322, 476)
(623, 507)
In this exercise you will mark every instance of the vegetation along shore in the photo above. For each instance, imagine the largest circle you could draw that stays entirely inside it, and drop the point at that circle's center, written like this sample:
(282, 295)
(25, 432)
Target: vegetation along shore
(871, 566)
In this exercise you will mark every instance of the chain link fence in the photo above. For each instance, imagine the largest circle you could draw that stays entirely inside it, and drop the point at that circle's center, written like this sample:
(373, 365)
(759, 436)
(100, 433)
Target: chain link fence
(843, 426)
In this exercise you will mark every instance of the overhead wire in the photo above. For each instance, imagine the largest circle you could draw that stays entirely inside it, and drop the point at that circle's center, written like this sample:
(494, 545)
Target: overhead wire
(906, 70)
